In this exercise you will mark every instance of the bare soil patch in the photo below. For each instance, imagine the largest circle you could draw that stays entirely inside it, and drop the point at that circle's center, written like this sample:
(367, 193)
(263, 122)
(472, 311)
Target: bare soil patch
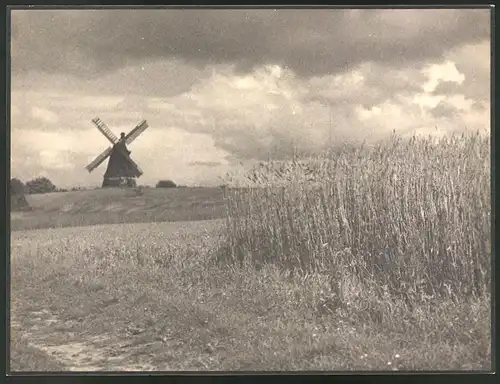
(60, 342)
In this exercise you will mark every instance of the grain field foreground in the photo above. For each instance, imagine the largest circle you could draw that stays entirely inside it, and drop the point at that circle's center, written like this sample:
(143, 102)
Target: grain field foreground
(375, 258)
(149, 297)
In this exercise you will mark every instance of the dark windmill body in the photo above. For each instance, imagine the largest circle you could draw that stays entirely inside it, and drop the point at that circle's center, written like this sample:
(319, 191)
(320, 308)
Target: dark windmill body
(121, 170)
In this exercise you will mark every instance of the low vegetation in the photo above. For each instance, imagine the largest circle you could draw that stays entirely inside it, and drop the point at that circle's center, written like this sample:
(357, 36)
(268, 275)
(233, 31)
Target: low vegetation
(40, 185)
(375, 259)
(166, 184)
(116, 205)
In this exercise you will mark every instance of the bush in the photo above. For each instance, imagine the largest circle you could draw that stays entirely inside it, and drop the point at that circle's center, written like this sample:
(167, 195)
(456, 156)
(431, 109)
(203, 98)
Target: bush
(166, 184)
(18, 201)
(40, 185)
(17, 187)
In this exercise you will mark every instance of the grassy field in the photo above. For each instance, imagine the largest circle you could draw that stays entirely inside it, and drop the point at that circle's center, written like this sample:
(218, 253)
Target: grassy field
(375, 259)
(111, 206)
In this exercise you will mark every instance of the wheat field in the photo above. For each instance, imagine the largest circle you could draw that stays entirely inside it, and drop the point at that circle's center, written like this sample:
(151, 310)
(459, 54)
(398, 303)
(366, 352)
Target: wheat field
(374, 258)
(413, 216)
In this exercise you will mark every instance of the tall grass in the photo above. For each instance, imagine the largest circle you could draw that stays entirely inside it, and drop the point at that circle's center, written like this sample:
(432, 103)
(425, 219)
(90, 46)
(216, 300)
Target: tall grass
(407, 217)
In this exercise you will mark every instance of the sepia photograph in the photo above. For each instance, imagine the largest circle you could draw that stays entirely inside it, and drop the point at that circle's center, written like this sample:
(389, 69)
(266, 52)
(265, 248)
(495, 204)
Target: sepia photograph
(250, 189)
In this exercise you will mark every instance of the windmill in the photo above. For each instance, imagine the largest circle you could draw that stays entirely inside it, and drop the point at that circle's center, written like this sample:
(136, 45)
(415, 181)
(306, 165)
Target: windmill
(121, 168)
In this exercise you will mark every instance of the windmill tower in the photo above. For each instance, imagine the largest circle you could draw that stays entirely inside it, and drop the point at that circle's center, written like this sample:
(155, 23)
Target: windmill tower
(122, 170)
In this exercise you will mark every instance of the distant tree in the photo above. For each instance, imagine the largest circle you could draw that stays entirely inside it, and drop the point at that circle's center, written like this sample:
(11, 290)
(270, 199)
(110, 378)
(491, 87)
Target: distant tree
(17, 187)
(40, 185)
(166, 184)
(18, 201)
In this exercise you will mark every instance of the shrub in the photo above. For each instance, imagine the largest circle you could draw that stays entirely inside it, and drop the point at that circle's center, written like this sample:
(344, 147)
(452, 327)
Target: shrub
(165, 184)
(40, 185)
(18, 200)
(17, 187)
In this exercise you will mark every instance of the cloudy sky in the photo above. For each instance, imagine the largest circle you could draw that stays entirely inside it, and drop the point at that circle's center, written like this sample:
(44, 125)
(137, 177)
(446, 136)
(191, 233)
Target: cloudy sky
(220, 87)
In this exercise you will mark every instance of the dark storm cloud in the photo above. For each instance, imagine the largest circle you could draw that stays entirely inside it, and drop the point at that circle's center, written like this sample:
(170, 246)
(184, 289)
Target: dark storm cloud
(311, 42)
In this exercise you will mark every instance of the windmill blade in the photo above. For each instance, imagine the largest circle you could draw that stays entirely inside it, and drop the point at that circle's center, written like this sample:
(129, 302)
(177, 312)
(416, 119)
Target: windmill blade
(99, 159)
(134, 133)
(105, 130)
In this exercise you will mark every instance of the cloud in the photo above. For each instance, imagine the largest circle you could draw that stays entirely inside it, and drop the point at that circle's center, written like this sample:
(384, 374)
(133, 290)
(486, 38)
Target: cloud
(57, 109)
(44, 115)
(310, 42)
(271, 112)
(37, 153)
(161, 78)
(445, 72)
(55, 160)
(215, 95)
(204, 163)
(446, 87)
(474, 62)
(14, 110)
(443, 109)
(369, 85)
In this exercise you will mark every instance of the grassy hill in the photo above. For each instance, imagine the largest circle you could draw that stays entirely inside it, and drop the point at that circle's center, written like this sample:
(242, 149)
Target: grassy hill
(118, 205)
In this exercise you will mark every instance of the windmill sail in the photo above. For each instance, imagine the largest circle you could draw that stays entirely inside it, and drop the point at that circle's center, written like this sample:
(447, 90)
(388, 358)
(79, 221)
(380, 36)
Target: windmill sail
(134, 133)
(105, 130)
(99, 159)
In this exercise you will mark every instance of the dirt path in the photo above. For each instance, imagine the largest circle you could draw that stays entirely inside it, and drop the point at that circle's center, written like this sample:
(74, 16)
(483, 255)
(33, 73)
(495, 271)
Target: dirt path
(47, 333)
